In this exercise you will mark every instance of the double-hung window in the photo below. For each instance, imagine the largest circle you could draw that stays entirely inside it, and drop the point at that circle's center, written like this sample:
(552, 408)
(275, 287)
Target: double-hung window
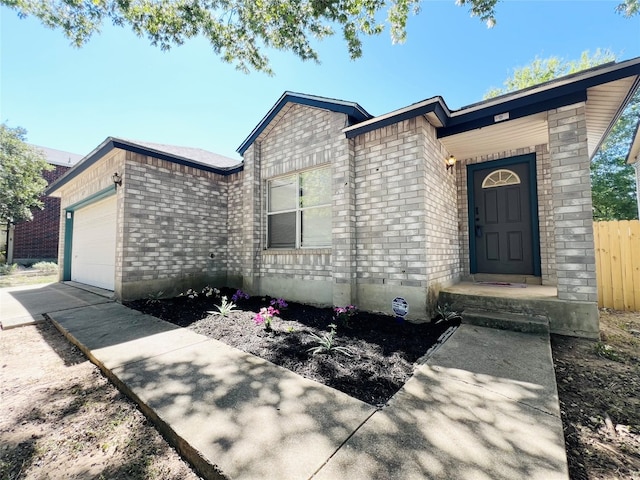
(299, 210)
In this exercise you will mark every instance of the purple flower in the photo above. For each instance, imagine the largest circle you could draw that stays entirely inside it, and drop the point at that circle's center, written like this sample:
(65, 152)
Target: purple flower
(239, 295)
(280, 303)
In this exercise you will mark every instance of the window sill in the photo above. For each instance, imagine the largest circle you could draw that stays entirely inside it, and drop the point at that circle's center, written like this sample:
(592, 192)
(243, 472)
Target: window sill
(297, 251)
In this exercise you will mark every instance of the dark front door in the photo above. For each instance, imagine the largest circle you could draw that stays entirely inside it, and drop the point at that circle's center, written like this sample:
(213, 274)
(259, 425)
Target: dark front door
(502, 220)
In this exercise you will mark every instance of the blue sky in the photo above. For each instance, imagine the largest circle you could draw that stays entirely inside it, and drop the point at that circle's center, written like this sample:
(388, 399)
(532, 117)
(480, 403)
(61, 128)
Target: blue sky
(119, 85)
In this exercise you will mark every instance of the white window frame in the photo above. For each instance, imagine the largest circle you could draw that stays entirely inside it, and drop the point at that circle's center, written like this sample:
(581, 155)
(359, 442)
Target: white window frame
(298, 210)
(510, 178)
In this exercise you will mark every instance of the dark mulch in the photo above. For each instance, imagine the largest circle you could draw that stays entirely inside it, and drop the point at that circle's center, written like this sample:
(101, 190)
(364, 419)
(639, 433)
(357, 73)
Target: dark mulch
(383, 350)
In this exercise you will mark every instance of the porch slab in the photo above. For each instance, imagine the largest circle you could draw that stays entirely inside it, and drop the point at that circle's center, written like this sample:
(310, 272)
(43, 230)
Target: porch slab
(565, 317)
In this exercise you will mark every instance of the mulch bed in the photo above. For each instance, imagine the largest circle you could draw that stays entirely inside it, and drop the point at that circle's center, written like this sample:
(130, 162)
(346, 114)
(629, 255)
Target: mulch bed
(383, 350)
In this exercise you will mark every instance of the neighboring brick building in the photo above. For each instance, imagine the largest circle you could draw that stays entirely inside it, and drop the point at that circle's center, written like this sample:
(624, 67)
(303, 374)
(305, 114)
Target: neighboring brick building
(37, 240)
(331, 205)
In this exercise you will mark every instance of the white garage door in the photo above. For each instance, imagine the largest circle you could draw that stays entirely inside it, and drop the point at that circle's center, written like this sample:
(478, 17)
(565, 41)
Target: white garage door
(94, 244)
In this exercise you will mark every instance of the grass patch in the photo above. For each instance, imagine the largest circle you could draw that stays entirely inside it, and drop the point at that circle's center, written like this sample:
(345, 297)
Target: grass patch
(19, 280)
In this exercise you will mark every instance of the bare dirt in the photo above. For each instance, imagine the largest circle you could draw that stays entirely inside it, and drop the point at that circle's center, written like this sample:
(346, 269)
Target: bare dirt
(599, 390)
(61, 418)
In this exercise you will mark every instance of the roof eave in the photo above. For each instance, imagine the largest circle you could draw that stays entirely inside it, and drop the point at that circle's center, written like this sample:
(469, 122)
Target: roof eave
(111, 143)
(553, 94)
(353, 110)
(434, 106)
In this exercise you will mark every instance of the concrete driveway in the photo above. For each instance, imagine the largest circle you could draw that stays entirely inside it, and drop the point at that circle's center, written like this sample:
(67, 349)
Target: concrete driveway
(26, 305)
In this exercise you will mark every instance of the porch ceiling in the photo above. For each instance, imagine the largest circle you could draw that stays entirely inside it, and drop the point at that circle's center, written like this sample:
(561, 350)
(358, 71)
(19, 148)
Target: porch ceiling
(508, 135)
(603, 104)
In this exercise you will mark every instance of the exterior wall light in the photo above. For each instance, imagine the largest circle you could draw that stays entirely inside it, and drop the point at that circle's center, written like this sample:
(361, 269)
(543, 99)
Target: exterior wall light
(117, 179)
(451, 161)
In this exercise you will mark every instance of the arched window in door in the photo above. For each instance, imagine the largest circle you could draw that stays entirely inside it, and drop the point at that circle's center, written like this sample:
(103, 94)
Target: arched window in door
(500, 178)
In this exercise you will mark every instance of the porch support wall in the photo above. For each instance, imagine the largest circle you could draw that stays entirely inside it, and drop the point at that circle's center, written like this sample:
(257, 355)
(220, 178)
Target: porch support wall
(251, 214)
(344, 225)
(572, 206)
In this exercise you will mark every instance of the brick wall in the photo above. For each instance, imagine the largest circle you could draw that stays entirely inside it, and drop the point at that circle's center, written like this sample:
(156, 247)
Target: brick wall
(441, 213)
(38, 239)
(235, 219)
(572, 207)
(298, 138)
(175, 226)
(406, 216)
(390, 206)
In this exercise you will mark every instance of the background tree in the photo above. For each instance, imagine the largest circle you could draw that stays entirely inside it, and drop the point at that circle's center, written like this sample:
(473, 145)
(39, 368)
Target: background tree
(613, 183)
(239, 30)
(612, 179)
(21, 182)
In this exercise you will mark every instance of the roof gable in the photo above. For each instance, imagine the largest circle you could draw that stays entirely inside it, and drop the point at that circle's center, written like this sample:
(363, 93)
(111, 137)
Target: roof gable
(354, 111)
(191, 157)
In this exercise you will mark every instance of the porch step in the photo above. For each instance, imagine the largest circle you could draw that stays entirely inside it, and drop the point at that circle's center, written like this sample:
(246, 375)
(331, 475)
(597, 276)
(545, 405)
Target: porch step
(518, 309)
(516, 322)
(515, 279)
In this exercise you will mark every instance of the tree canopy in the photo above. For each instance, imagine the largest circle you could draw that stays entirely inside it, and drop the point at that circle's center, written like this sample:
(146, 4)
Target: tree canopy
(542, 70)
(240, 30)
(612, 179)
(21, 181)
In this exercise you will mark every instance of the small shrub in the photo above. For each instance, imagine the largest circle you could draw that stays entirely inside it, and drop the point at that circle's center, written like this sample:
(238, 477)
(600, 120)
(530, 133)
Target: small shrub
(265, 316)
(444, 313)
(326, 343)
(154, 297)
(46, 267)
(239, 295)
(279, 303)
(344, 314)
(225, 308)
(8, 269)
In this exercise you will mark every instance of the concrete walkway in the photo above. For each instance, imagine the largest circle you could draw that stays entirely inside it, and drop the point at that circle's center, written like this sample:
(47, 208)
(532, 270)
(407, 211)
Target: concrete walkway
(484, 406)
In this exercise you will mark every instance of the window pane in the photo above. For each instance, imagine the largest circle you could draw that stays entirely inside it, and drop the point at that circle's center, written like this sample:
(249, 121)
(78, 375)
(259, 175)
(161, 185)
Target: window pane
(315, 187)
(316, 227)
(283, 194)
(282, 230)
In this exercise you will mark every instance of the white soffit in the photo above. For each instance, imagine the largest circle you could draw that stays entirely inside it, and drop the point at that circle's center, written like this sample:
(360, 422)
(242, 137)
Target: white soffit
(504, 136)
(603, 102)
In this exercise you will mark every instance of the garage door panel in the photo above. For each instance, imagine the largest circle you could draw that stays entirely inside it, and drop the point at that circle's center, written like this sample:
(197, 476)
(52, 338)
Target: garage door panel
(94, 244)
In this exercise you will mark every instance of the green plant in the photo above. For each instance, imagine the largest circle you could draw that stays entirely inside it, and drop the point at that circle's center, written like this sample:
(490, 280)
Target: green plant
(607, 351)
(444, 313)
(154, 297)
(326, 343)
(225, 308)
(8, 269)
(46, 267)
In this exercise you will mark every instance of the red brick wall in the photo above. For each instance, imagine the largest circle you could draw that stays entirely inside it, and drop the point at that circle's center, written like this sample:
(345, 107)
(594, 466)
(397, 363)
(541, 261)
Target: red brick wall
(38, 238)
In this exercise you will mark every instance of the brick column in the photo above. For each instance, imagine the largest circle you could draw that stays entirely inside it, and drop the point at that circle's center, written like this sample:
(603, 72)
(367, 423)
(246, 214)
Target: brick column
(572, 207)
(252, 220)
(344, 226)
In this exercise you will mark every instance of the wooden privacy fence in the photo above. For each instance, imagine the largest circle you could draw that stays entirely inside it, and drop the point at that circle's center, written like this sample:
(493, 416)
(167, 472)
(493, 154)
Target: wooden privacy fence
(618, 264)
